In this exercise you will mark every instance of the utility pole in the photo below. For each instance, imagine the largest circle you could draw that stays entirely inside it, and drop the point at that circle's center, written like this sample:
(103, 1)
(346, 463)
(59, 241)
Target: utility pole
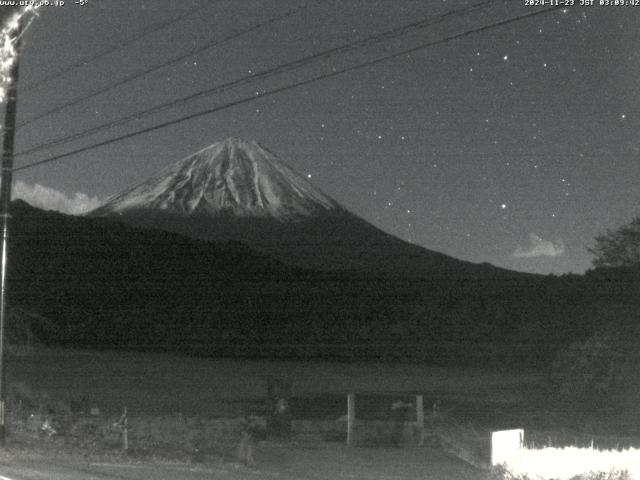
(6, 170)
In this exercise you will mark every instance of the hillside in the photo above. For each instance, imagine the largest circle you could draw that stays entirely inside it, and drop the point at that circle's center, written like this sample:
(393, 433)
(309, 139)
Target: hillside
(102, 284)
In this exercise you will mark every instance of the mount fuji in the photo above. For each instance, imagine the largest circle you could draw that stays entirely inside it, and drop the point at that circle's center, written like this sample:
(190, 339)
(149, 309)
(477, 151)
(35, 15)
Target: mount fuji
(233, 177)
(237, 190)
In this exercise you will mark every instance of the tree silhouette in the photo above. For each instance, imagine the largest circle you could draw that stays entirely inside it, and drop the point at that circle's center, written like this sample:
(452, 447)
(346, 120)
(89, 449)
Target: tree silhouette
(619, 247)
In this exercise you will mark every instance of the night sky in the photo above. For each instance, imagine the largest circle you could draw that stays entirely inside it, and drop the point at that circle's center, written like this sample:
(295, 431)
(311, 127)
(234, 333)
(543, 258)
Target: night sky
(514, 145)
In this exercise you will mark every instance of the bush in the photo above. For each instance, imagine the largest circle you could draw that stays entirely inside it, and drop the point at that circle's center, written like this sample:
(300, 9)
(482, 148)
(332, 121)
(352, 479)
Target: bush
(589, 369)
(598, 377)
(501, 472)
(22, 399)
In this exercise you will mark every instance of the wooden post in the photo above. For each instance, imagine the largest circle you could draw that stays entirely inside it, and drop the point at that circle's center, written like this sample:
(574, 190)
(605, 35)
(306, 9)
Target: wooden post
(420, 419)
(125, 439)
(123, 424)
(351, 417)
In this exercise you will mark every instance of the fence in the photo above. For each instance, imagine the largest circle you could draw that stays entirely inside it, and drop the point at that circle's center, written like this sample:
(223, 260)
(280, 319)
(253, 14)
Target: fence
(355, 418)
(400, 418)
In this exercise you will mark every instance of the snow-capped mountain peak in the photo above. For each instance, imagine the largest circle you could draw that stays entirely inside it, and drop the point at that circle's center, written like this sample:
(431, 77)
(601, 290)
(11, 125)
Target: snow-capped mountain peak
(230, 177)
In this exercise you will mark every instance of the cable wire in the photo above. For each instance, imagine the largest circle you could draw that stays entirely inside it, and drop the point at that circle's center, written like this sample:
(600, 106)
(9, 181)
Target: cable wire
(84, 61)
(155, 68)
(270, 72)
(288, 87)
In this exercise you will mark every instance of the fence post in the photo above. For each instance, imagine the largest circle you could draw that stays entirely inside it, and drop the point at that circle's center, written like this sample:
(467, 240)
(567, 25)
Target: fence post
(125, 439)
(123, 425)
(420, 419)
(351, 417)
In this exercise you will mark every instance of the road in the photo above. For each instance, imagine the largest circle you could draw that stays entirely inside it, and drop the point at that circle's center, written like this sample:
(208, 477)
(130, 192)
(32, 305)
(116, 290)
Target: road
(52, 470)
(273, 462)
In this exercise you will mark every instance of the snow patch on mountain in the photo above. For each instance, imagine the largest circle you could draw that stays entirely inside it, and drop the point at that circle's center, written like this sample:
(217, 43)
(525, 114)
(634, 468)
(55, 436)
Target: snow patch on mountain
(230, 177)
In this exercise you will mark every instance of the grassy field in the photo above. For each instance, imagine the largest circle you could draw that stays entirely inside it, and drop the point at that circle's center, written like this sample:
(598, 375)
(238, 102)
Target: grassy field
(190, 410)
(158, 384)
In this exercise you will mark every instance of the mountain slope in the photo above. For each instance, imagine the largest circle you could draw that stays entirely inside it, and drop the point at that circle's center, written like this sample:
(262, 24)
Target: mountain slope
(232, 177)
(237, 190)
(103, 284)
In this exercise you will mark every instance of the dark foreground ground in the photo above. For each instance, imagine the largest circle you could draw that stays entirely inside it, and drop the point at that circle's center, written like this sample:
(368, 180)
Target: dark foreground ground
(184, 415)
(273, 461)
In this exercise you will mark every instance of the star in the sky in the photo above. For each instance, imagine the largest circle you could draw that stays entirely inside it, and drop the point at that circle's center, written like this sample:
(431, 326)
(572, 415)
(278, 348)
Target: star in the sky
(526, 94)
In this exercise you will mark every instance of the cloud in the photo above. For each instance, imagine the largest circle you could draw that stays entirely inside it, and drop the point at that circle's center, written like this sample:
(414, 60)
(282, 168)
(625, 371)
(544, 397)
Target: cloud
(50, 199)
(538, 247)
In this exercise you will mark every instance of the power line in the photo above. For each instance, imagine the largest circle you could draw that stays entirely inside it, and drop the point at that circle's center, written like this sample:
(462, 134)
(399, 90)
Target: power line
(288, 87)
(155, 68)
(279, 69)
(152, 29)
